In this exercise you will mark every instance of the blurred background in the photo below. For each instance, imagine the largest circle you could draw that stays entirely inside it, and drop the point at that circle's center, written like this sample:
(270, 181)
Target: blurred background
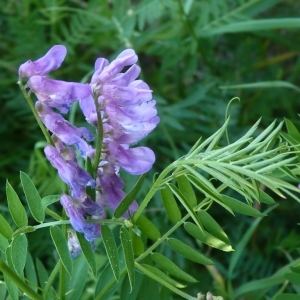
(196, 55)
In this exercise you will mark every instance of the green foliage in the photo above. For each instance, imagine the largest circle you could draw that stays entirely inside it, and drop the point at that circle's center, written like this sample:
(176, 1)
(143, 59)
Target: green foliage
(195, 55)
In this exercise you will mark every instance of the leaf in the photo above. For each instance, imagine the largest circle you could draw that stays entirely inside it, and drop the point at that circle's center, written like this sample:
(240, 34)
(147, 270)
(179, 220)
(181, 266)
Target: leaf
(5, 228)
(170, 205)
(3, 243)
(265, 198)
(186, 204)
(30, 272)
(87, 251)
(287, 296)
(171, 268)
(187, 190)
(15, 207)
(33, 198)
(41, 273)
(46, 201)
(212, 226)
(206, 237)
(137, 244)
(292, 130)
(159, 276)
(19, 247)
(123, 207)
(61, 246)
(148, 228)
(77, 282)
(11, 288)
(188, 252)
(128, 255)
(111, 250)
(240, 207)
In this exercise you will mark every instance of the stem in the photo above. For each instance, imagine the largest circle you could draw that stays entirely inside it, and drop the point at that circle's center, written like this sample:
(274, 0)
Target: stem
(18, 281)
(31, 105)
(62, 272)
(62, 222)
(99, 135)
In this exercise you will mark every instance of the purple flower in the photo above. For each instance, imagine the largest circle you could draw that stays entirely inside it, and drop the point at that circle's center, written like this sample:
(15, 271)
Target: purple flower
(49, 62)
(56, 93)
(69, 171)
(66, 132)
(77, 218)
(73, 244)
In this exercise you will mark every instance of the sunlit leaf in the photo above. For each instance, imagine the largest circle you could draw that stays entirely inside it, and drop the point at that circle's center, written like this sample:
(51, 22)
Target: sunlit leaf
(15, 207)
(147, 227)
(33, 198)
(19, 247)
(5, 228)
(187, 190)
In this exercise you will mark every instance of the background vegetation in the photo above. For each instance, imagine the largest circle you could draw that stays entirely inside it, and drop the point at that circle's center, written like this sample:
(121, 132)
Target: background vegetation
(190, 53)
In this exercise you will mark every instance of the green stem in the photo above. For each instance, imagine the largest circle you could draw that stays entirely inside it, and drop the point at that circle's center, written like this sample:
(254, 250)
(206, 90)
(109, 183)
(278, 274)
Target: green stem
(62, 222)
(99, 136)
(18, 281)
(31, 105)
(63, 272)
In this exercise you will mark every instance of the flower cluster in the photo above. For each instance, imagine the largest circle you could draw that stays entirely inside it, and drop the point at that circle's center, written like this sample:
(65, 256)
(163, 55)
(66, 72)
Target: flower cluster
(121, 109)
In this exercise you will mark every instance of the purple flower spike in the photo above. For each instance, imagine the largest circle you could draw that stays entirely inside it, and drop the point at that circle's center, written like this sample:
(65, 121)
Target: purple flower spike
(69, 171)
(56, 93)
(76, 215)
(49, 62)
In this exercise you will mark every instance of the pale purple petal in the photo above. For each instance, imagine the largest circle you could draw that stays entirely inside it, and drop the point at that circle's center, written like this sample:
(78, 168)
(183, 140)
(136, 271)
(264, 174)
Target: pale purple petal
(49, 62)
(125, 58)
(88, 108)
(56, 93)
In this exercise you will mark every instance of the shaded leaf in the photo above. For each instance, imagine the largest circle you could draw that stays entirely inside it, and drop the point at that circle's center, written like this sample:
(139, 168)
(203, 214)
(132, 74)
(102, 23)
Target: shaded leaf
(111, 250)
(170, 204)
(128, 255)
(123, 207)
(61, 246)
(148, 228)
(30, 272)
(171, 268)
(188, 252)
(187, 190)
(5, 228)
(87, 251)
(50, 199)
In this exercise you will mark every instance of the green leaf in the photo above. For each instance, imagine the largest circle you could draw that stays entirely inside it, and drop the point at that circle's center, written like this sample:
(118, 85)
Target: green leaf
(19, 247)
(46, 201)
(188, 252)
(5, 228)
(123, 207)
(2, 290)
(287, 296)
(111, 250)
(187, 190)
(159, 276)
(240, 207)
(148, 228)
(171, 268)
(212, 226)
(186, 204)
(128, 254)
(88, 252)
(206, 237)
(33, 198)
(61, 246)
(137, 244)
(3, 243)
(30, 272)
(170, 204)
(265, 198)
(15, 207)
(11, 288)
(42, 274)
(77, 282)
(22, 230)
(292, 130)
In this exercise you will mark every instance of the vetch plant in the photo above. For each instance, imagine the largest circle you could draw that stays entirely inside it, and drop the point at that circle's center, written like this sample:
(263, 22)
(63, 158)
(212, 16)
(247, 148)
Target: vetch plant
(119, 112)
